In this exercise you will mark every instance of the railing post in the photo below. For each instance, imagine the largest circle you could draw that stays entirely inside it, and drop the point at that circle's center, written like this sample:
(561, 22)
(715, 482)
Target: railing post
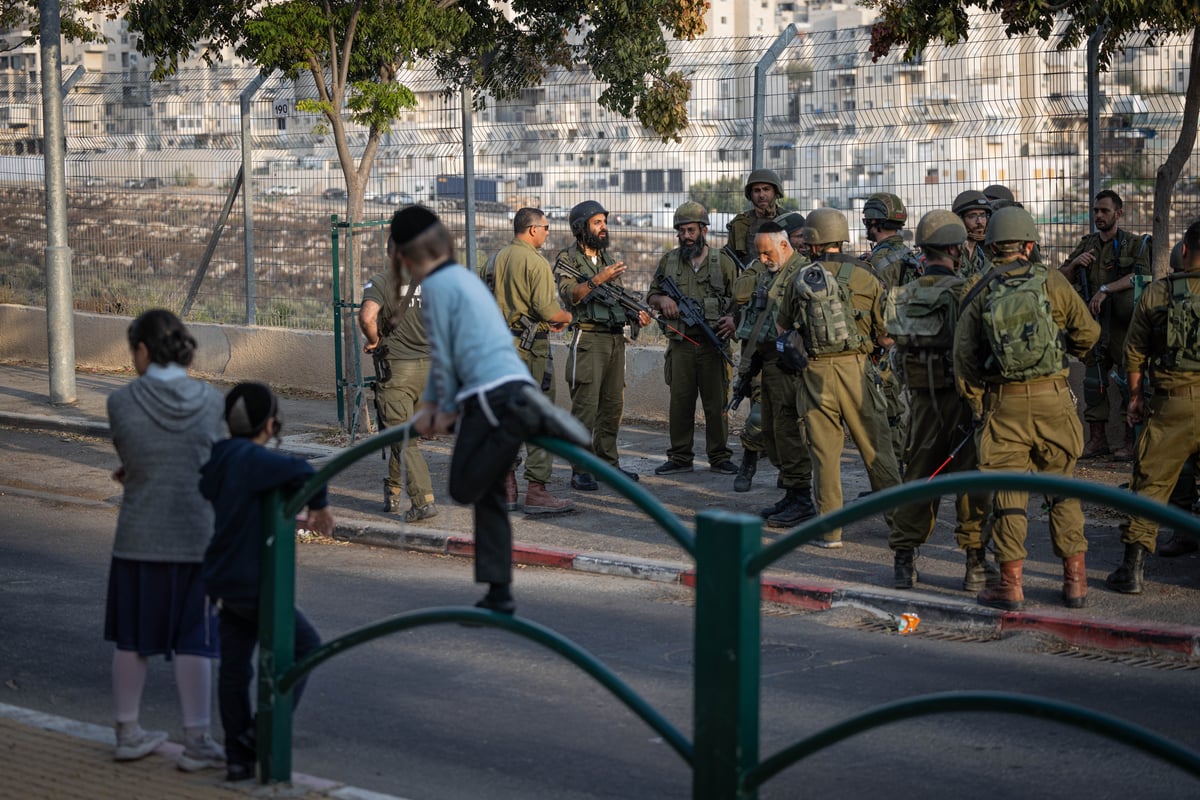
(727, 643)
(276, 639)
(339, 378)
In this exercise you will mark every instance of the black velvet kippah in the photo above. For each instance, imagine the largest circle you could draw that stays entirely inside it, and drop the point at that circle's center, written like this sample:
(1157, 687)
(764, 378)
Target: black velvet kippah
(247, 408)
(410, 222)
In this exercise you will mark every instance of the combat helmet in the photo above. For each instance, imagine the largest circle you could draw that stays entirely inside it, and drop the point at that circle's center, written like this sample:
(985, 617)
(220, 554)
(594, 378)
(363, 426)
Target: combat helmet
(826, 226)
(1011, 224)
(581, 213)
(1177, 256)
(971, 200)
(940, 229)
(764, 176)
(691, 211)
(998, 191)
(886, 207)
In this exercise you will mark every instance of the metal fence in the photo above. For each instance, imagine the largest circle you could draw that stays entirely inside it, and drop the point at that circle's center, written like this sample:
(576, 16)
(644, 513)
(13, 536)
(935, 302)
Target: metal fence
(150, 164)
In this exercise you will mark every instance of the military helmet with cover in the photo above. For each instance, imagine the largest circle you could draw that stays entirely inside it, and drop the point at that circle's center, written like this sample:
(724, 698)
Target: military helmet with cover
(940, 229)
(581, 213)
(764, 176)
(791, 221)
(886, 207)
(971, 200)
(691, 211)
(826, 226)
(1011, 224)
(998, 191)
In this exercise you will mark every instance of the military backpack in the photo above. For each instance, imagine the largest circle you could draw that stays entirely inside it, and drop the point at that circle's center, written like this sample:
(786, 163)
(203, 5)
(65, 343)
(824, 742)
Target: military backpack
(922, 317)
(1020, 327)
(830, 321)
(1183, 325)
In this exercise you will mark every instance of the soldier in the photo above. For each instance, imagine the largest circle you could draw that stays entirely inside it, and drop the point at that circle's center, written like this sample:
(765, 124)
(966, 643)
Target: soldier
(390, 320)
(696, 367)
(525, 291)
(1016, 328)
(596, 358)
(1102, 265)
(759, 290)
(764, 190)
(940, 433)
(975, 210)
(834, 305)
(895, 264)
(1162, 337)
(793, 224)
(1000, 194)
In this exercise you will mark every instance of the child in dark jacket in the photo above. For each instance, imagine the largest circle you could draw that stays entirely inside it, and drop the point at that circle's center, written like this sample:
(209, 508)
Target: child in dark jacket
(240, 470)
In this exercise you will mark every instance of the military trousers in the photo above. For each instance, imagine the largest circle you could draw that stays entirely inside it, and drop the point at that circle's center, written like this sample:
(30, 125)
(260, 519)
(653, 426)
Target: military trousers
(398, 398)
(1032, 427)
(938, 422)
(786, 444)
(595, 371)
(893, 397)
(1098, 386)
(1169, 439)
(692, 371)
(753, 438)
(839, 391)
(539, 463)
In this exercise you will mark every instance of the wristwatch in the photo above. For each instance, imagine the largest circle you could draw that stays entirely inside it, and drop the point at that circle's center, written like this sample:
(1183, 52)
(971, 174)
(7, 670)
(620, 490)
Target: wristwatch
(591, 284)
(1104, 288)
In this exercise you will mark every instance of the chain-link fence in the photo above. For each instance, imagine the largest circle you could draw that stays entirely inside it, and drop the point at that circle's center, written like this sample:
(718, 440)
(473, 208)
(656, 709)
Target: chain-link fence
(150, 164)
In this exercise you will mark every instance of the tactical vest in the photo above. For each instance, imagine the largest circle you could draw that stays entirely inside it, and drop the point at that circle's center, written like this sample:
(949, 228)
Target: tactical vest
(676, 269)
(829, 320)
(594, 310)
(1183, 325)
(763, 305)
(1019, 323)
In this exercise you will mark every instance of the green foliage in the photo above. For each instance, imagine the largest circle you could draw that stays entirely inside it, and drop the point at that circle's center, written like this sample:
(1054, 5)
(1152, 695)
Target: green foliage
(723, 194)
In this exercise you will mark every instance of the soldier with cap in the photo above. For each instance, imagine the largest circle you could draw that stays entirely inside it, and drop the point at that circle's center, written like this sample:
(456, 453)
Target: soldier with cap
(793, 223)
(764, 190)
(975, 210)
(1016, 328)
(921, 316)
(1103, 266)
(1162, 342)
(834, 305)
(694, 366)
(595, 368)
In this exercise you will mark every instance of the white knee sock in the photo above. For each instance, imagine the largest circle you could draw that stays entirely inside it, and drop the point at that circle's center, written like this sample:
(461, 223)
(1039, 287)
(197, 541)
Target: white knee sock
(193, 679)
(128, 678)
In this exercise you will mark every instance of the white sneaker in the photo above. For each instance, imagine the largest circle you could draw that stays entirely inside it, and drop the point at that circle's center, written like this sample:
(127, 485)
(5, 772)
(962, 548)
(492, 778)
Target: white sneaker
(202, 753)
(138, 743)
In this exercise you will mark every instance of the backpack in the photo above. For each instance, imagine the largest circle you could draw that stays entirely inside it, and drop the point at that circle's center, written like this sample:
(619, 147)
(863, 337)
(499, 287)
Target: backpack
(829, 315)
(922, 317)
(1020, 326)
(1183, 325)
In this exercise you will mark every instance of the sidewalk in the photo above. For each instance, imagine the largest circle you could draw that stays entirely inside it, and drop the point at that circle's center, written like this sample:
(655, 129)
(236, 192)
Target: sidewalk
(608, 535)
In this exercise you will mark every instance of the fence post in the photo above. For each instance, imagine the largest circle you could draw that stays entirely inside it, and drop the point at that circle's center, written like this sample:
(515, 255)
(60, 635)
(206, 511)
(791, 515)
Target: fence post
(339, 377)
(276, 640)
(727, 642)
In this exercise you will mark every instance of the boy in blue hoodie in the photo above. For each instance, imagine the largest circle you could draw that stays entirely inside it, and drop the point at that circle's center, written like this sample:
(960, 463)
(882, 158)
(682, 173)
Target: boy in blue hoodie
(240, 470)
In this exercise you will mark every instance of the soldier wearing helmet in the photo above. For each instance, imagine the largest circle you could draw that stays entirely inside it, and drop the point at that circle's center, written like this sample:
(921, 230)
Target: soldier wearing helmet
(974, 209)
(1016, 328)
(835, 305)
(764, 190)
(595, 367)
(895, 264)
(939, 420)
(693, 366)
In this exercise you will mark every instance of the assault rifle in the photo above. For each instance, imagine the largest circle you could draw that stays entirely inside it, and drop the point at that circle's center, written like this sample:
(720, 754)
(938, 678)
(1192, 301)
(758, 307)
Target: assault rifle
(729, 251)
(692, 314)
(612, 295)
(1095, 351)
(745, 382)
(383, 374)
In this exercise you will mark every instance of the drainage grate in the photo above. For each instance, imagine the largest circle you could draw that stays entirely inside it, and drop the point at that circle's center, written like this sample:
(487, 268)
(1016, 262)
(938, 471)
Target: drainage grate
(876, 625)
(1144, 662)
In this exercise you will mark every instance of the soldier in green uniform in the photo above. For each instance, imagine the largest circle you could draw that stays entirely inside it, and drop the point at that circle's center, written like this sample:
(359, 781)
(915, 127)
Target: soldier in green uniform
(764, 190)
(1016, 328)
(835, 304)
(390, 320)
(1105, 262)
(595, 368)
(921, 316)
(999, 195)
(758, 291)
(974, 209)
(526, 293)
(1163, 341)
(894, 263)
(696, 368)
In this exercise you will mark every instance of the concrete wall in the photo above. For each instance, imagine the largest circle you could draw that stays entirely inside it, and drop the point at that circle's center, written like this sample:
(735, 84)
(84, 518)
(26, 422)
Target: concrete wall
(285, 359)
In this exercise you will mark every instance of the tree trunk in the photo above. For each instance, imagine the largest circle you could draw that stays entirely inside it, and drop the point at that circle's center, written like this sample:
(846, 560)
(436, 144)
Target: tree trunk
(1168, 173)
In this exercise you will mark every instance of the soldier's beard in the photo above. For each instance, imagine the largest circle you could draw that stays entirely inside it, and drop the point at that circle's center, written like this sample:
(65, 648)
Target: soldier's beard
(595, 242)
(692, 251)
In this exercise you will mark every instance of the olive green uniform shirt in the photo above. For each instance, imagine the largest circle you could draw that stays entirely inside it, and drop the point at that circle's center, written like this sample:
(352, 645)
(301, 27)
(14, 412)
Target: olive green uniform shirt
(1147, 339)
(866, 299)
(742, 229)
(525, 285)
(404, 334)
(1126, 253)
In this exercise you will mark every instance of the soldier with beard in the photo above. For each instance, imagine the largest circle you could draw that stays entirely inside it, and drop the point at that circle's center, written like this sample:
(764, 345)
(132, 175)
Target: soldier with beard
(696, 367)
(974, 209)
(764, 190)
(595, 368)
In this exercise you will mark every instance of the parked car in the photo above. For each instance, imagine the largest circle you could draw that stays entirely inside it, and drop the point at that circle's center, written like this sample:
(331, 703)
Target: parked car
(143, 183)
(333, 193)
(556, 212)
(640, 220)
(397, 199)
(281, 190)
(92, 181)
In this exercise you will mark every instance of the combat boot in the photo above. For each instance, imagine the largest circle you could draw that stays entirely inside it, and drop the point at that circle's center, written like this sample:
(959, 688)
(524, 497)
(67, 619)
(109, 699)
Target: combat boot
(539, 501)
(746, 474)
(510, 491)
(980, 571)
(1006, 594)
(1074, 590)
(391, 499)
(904, 568)
(1097, 441)
(1125, 452)
(778, 506)
(796, 511)
(1127, 578)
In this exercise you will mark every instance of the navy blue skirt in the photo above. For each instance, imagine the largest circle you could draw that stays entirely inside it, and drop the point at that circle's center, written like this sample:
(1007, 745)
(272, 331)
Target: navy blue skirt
(159, 609)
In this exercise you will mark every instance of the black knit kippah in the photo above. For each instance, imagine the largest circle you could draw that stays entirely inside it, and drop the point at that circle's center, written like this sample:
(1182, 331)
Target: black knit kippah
(247, 408)
(410, 222)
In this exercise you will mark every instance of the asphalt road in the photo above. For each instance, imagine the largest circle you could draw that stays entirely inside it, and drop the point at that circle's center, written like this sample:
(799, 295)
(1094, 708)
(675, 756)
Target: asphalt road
(449, 712)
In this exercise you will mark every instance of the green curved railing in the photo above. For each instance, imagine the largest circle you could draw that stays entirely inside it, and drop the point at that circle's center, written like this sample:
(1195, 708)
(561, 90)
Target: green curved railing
(730, 559)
